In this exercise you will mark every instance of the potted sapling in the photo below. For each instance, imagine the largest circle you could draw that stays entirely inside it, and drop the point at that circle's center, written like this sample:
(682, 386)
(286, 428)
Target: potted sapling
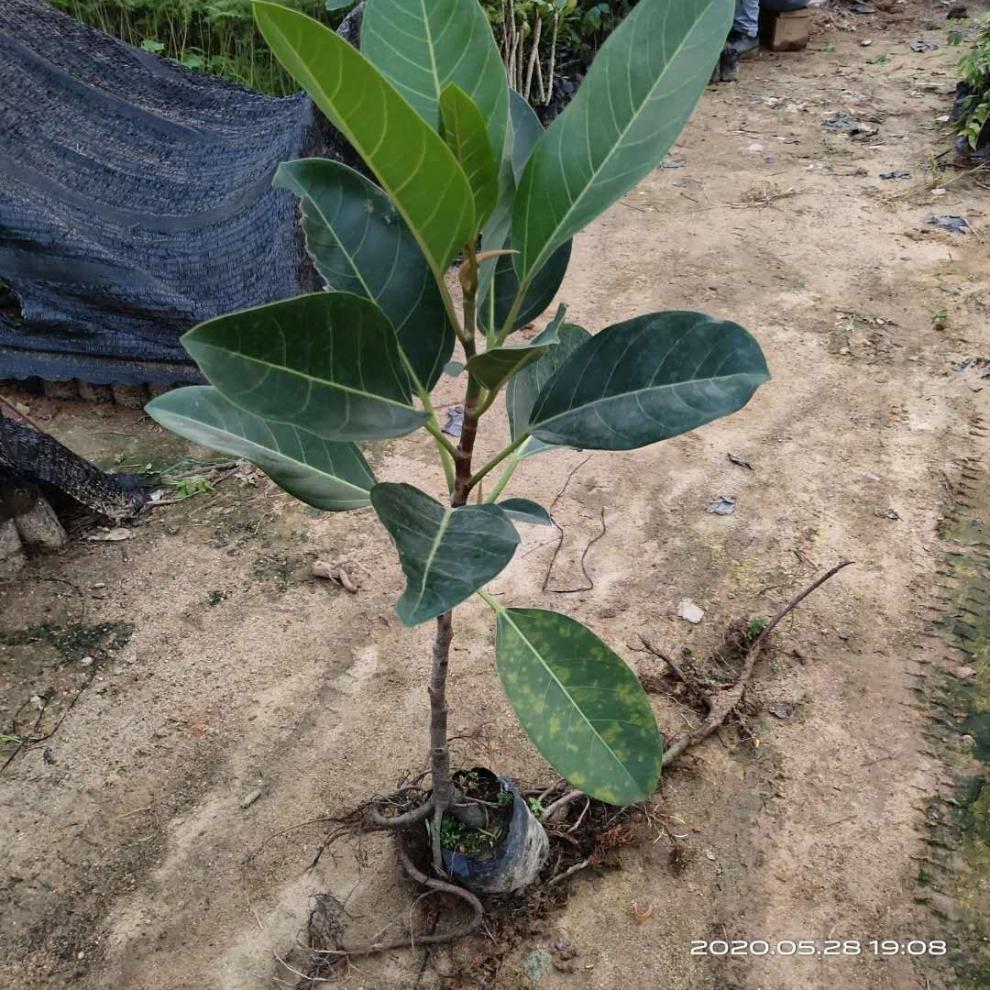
(466, 176)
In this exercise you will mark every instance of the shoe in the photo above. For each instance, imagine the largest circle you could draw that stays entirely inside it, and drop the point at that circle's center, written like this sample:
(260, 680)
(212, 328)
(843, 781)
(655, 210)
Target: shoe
(741, 44)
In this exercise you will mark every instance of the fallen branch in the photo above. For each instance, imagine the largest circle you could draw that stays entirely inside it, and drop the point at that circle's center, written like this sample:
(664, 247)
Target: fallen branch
(723, 703)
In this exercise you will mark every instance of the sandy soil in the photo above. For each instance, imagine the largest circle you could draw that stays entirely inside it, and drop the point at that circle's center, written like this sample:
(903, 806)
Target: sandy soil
(158, 841)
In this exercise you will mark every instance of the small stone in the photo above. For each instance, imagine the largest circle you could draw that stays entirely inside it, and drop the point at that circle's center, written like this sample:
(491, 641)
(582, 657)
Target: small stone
(37, 701)
(250, 799)
(86, 662)
(783, 710)
(710, 854)
(689, 611)
(964, 673)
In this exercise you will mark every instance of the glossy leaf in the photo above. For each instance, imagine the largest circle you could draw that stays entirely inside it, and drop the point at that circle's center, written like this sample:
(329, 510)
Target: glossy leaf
(525, 387)
(526, 131)
(446, 554)
(649, 379)
(540, 293)
(633, 103)
(411, 160)
(421, 46)
(330, 476)
(523, 131)
(497, 365)
(328, 362)
(580, 704)
(359, 243)
(527, 511)
(464, 132)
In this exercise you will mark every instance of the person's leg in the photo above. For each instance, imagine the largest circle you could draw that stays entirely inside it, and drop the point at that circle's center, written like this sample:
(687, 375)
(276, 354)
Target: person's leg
(747, 22)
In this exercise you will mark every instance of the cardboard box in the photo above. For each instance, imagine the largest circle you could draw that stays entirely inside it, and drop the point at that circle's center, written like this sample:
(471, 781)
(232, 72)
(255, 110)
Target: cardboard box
(789, 31)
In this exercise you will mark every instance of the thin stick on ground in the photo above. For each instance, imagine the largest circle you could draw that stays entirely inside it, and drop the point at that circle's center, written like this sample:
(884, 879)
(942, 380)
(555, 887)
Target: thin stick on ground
(724, 702)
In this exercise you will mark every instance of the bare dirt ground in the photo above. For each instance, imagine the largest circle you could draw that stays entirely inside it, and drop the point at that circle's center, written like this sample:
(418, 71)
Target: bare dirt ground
(153, 842)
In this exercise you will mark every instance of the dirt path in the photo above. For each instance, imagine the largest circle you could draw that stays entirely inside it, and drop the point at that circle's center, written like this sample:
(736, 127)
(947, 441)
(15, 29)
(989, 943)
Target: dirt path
(149, 849)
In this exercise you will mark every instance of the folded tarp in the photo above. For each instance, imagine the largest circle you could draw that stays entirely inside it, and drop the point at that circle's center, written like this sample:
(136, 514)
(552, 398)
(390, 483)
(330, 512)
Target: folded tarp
(135, 201)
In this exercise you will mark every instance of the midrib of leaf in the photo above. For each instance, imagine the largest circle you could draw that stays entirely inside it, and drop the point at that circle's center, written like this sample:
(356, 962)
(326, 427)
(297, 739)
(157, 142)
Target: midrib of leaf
(431, 556)
(407, 364)
(309, 379)
(504, 614)
(635, 393)
(367, 154)
(277, 449)
(544, 254)
(429, 48)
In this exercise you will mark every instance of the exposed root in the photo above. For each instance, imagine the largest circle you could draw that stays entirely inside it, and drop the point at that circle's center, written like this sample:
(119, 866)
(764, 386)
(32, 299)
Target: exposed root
(413, 940)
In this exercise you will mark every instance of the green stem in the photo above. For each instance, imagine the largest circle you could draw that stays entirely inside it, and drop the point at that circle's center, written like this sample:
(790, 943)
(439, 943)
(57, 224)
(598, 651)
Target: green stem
(507, 474)
(513, 313)
(496, 460)
(495, 605)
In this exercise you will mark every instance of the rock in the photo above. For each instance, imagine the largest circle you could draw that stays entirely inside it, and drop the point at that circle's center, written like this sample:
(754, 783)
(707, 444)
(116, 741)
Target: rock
(39, 527)
(114, 535)
(250, 799)
(964, 673)
(783, 710)
(689, 611)
(11, 552)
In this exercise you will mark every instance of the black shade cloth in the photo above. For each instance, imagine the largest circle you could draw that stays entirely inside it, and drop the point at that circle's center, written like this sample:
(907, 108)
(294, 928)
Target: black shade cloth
(135, 201)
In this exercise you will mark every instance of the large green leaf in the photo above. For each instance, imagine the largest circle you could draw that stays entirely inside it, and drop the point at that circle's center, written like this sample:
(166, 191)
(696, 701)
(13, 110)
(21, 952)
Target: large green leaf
(629, 110)
(328, 362)
(446, 554)
(582, 706)
(648, 379)
(526, 131)
(464, 132)
(526, 510)
(359, 243)
(520, 397)
(411, 160)
(540, 292)
(521, 134)
(423, 45)
(330, 476)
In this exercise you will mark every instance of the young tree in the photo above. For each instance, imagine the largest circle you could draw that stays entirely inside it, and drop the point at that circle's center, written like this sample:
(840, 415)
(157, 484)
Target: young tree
(465, 171)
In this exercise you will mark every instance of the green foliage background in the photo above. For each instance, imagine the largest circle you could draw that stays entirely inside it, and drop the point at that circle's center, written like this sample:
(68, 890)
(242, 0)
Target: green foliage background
(214, 36)
(220, 36)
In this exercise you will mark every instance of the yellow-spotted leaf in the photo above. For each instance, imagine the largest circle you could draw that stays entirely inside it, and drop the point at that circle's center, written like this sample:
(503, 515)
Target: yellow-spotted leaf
(580, 704)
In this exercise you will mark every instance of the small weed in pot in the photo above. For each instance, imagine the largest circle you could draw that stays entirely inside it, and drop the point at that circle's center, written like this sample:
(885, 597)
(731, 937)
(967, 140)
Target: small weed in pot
(465, 171)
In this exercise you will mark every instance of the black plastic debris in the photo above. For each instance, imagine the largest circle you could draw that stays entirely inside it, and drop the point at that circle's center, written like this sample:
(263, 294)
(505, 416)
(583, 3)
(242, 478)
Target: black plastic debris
(897, 173)
(949, 221)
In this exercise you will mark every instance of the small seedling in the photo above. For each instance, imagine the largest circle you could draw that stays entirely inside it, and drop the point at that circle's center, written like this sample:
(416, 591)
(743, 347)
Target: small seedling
(940, 318)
